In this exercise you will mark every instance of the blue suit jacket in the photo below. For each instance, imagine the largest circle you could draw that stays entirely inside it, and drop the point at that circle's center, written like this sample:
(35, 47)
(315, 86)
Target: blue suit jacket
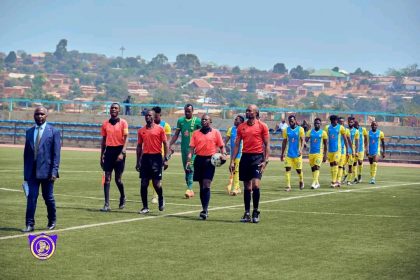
(48, 158)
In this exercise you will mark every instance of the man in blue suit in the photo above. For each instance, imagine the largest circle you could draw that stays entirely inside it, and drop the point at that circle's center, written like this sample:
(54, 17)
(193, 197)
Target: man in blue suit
(41, 162)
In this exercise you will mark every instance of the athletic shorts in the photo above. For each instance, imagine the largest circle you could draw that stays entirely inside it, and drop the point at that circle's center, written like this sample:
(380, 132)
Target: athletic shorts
(151, 166)
(295, 163)
(110, 159)
(203, 169)
(334, 157)
(361, 156)
(315, 159)
(352, 159)
(248, 166)
(343, 160)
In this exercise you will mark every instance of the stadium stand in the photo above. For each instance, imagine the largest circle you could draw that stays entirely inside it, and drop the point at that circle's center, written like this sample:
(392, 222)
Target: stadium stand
(80, 134)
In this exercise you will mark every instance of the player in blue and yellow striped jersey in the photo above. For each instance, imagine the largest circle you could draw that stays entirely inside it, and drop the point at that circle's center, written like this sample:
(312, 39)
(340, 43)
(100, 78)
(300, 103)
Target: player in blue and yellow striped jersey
(353, 148)
(373, 152)
(317, 150)
(230, 138)
(345, 155)
(293, 138)
(361, 151)
(335, 131)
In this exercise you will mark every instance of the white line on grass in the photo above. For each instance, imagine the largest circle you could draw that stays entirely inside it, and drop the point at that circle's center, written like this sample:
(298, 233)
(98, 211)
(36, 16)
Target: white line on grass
(195, 211)
(101, 198)
(333, 213)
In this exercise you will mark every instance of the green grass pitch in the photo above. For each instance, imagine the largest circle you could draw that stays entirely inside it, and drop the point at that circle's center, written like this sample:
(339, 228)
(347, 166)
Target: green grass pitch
(359, 232)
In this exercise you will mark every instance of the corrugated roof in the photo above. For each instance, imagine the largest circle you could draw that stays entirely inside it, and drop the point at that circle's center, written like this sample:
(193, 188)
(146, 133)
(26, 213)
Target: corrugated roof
(327, 73)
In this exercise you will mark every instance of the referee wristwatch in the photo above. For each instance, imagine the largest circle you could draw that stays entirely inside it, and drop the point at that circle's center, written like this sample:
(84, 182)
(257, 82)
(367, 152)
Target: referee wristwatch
(124, 153)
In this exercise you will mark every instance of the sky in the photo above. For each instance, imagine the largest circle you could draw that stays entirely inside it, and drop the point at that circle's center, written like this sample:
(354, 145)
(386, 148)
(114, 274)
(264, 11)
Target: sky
(372, 34)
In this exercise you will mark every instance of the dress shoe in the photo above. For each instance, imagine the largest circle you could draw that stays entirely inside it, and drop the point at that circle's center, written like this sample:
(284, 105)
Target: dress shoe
(51, 226)
(28, 229)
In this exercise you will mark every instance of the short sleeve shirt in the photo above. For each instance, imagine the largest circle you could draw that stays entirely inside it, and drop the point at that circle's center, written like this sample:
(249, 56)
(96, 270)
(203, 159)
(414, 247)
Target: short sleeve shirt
(187, 127)
(206, 144)
(253, 137)
(152, 139)
(114, 133)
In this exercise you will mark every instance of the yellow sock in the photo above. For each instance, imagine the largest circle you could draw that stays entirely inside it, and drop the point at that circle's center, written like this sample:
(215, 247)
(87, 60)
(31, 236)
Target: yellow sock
(339, 174)
(359, 169)
(316, 176)
(334, 173)
(287, 177)
(236, 175)
(373, 169)
(350, 177)
(301, 176)
(354, 172)
(345, 171)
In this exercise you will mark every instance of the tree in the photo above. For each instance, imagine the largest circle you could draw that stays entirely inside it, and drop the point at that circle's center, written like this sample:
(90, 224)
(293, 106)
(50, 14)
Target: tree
(132, 62)
(279, 68)
(165, 96)
(252, 86)
(159, 60)
(358, 72)
(236, 70)
(116, 90)
(75, 91)
(367, 73)
(10, 58)
(187, 61)
(299, 73)
(323, 99)
(37, 91)
(61, 49)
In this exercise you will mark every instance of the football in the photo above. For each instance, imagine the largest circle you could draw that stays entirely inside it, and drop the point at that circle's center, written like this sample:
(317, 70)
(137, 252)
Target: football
(216, 159)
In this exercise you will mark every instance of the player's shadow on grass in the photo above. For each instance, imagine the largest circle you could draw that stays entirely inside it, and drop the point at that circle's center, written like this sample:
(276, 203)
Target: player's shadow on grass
(197, 219)
(118, 211)
(10, 229)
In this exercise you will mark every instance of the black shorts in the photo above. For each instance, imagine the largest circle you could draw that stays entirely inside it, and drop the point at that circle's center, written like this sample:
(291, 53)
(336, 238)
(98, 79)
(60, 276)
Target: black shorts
(110, 159)
(248, 166)
(203, 169)
(151, 166)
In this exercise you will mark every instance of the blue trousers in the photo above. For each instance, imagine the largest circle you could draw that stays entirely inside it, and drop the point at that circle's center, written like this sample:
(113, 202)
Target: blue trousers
(47, 188)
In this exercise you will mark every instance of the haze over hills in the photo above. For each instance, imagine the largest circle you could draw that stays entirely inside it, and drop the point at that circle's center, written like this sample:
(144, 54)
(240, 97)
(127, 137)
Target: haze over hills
(73, 75)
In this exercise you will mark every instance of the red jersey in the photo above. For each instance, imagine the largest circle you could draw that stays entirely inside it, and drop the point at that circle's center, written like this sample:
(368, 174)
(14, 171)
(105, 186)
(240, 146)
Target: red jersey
(206, 144)
(151, 138)
(114, 133)
(252, 136)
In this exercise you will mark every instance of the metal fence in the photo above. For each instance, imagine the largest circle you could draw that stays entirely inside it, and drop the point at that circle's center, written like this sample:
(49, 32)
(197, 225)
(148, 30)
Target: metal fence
(222, 111)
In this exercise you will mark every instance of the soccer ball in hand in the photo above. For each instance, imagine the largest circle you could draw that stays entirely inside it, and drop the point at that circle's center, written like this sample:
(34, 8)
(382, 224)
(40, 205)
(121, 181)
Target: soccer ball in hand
(217, 160)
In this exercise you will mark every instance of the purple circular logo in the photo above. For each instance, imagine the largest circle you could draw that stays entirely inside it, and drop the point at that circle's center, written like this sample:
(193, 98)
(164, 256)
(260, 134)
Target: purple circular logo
(42, 246)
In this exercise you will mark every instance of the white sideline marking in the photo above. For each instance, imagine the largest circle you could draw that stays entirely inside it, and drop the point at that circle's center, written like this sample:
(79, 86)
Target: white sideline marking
(101, 198)
(195, 211)
(333, 213)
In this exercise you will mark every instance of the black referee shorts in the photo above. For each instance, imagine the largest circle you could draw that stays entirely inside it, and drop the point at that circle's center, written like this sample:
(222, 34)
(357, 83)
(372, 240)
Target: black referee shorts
(151, 166)
(203, 169)
(248, 166)
(110, 159)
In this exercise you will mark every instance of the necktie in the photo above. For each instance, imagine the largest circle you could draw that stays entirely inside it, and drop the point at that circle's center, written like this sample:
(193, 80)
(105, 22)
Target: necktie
(38, 137)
